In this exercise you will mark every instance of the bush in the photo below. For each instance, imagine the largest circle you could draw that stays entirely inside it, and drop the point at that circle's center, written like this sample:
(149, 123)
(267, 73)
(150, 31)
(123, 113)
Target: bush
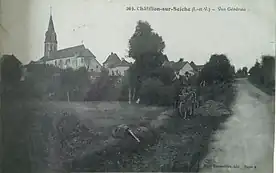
(166, 96)
(104, 88)
(154, 92)
(217, 69)
(49, 80)
(164, 74)
(124, 89)
(149, 93)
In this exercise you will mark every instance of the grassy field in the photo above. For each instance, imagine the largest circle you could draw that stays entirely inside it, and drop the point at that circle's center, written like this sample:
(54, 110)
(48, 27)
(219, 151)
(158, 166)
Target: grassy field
(266, 90)
(103, 116)
(99, 117)
(30, 126)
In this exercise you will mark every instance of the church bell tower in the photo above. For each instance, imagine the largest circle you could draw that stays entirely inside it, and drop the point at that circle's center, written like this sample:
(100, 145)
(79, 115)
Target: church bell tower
(50, 43)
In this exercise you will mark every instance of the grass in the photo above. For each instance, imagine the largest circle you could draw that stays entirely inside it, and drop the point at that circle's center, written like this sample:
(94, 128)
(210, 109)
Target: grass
(99, 117)
(102, 117)
(266, 90)
(181, 138)
(42, 117)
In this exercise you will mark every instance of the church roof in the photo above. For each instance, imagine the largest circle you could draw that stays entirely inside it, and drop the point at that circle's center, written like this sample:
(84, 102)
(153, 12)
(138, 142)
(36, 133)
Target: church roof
(79, 50)
(50, 35)
(51, 25)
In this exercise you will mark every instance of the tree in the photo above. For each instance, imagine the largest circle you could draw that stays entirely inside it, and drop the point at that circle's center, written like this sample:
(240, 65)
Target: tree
(150, 91)
(217, 69)
(164, 74)
(263, 74)
(98, 88)
(11, 70)
(145, 41)
(146, 48)
(255, 72)
(244, 71)
(268, 68)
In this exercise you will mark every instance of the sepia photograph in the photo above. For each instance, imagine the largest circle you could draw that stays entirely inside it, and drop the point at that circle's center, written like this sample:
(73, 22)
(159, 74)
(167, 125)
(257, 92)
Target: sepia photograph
(137, 86)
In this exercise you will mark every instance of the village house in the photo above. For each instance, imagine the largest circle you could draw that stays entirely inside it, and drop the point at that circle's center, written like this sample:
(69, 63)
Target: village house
(183, 68)
(72, 57)
(116, 66)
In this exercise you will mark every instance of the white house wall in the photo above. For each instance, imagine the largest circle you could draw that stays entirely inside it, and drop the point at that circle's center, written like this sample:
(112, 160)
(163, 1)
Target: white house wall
(75, 63)
(121, 71)
(95, 65)
(187, 68)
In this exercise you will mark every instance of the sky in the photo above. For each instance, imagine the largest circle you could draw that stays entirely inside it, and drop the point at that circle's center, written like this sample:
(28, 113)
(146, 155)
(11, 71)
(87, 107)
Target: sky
(105, 26)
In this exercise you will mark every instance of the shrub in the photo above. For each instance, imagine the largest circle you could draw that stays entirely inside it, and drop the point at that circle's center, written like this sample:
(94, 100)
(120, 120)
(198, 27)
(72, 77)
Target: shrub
(154, 92)
(164, 74)
(149, 93)
(217, 69)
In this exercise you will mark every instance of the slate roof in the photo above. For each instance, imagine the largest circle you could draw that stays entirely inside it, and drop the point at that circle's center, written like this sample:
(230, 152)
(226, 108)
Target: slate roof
(175, 65)
(180, 64)
(5, 56)
(124, 63)
(168, 63)
(50, 35)
(193, 65)
(196, 67)
(112, 60)
(80, 50)
(9, 56)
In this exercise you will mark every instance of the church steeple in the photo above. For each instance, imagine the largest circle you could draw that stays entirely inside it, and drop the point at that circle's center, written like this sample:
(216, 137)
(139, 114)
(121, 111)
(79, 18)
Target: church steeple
(50, 44)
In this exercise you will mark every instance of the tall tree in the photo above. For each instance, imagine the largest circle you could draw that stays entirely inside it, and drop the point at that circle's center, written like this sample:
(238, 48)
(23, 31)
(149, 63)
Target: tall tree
(146, 48)
(268, 68)
(145, 41)
(244, 71)
(217, 69)
(255, 72)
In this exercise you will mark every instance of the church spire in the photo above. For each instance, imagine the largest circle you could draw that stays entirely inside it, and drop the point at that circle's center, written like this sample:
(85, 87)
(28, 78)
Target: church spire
(50, 44)
(51, 27)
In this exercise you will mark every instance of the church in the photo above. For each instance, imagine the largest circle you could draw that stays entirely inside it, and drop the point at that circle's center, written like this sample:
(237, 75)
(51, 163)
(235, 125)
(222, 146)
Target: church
(72, 57)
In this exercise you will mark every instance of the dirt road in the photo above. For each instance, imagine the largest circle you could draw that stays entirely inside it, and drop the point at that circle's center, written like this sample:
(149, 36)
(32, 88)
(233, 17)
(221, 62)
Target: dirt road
(246, 143)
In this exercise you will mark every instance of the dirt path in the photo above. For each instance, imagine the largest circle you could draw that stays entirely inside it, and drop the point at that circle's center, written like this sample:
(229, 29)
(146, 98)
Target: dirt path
(248, 138)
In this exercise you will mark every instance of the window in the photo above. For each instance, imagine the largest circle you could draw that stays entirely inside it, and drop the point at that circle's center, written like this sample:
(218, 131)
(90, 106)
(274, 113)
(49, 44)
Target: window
(97, 66)
(67, 61)
(82, 60)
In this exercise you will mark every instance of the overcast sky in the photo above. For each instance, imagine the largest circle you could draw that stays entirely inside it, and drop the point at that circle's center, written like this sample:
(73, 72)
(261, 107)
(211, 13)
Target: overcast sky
(105, 26)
